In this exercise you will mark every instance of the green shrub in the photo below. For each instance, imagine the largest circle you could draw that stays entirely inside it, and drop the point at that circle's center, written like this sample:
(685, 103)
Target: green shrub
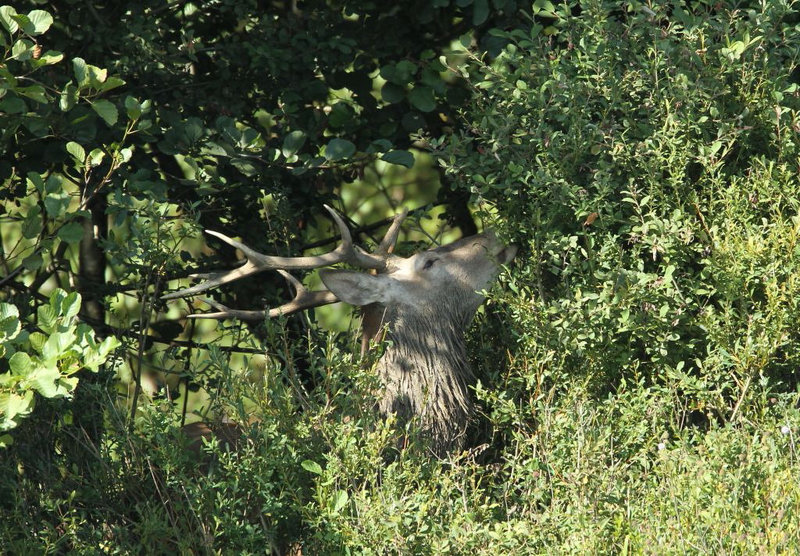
(44, 361)
(649, 161)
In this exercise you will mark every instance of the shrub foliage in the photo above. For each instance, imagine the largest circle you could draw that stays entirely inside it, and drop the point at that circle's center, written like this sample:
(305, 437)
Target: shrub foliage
(638, 366)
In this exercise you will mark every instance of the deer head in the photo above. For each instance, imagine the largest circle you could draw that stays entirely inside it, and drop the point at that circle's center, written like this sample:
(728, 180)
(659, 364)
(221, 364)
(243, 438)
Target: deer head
(425, 302)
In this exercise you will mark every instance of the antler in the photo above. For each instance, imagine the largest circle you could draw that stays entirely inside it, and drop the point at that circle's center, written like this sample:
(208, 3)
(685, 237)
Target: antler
(390, 238)
(256, 262)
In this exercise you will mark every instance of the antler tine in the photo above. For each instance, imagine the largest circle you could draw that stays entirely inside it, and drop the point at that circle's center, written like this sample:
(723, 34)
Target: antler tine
(303, 299)
(390, 239)
(258, 262)
(214, 279)
(352, 254)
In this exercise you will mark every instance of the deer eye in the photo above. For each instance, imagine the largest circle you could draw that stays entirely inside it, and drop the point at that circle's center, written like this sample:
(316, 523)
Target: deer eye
(428, 264)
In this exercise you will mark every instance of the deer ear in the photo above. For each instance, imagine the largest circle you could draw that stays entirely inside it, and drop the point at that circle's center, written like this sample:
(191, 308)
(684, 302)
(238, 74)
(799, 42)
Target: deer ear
(356, 288)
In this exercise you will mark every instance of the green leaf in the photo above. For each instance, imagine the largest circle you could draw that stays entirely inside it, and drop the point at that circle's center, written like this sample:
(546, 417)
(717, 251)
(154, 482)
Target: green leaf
(293, 142)
(109, 344)
(480, 12)
(96, 157)
(57, 296)
(53, 184)
(544, 8)
(404, 71)
(33, 261)
(69, 97)
(106, 110)
(41, 21)
(421, 97)
(71, 305)
(392, 93)
(35, 179)
(35, 92)
(32, 225)
(402, 158)
(58, 344)
(67, 384)
(339, 149)
(340, 500)
(7, 21)
(22, 50)
(20, 363)
(37, 340)
(47, 318)
(193, 130)
(13, 105)
(13, 406)
(111, 83)
(45, 379)
(80, 71)
(97, 76)
(93, 358)
(9, 322)
(133, 108)
(56, 204)
(433, 79)
(72, 233)
(76, 150)
(340, 115)
(311, 466)
(380, 145)
(48, 59)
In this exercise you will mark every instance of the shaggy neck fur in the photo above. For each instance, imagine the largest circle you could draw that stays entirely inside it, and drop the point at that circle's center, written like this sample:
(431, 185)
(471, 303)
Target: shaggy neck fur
(426, 375)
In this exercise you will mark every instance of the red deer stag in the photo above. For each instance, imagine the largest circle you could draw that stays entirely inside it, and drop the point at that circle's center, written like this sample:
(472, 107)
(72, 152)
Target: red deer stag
(425, 302)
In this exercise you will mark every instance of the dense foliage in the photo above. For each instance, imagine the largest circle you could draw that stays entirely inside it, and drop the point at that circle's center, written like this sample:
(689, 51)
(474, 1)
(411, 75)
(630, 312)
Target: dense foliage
(638, 366)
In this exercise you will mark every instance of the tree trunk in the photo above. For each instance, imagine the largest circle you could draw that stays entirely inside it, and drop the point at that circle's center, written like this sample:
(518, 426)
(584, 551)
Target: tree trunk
(88, 403)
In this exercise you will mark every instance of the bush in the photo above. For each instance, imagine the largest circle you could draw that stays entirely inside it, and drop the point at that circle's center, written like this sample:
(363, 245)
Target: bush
(649, 161)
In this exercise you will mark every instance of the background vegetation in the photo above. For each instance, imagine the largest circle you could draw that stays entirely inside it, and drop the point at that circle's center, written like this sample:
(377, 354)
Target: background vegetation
(638, 366)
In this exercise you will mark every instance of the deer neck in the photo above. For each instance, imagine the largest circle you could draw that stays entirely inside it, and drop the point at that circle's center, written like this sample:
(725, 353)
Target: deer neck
(424, 370)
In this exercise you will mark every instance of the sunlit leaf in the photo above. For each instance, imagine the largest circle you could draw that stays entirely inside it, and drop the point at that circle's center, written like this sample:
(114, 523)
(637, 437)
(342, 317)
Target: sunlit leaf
(22, 50)
(41, 21)
(7, 21)
(44, 379)
(13, 406)
(68, 98)
(311, 466)
(77, 151)
(106, 110)
(111, 83)
(9, 321)
(20, 363)
(340, 500)
(80, 71)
